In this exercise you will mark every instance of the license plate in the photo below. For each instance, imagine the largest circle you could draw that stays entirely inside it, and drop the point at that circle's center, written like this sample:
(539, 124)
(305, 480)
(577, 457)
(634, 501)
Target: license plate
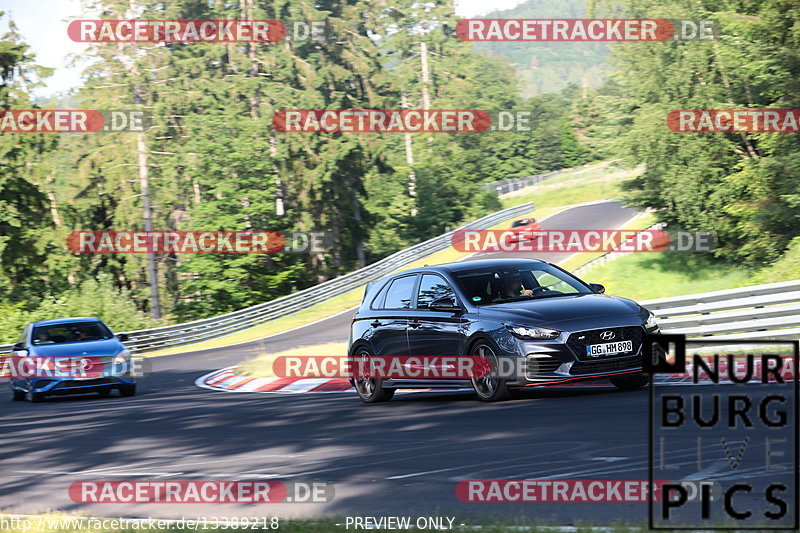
(78, 368)
(609, 348)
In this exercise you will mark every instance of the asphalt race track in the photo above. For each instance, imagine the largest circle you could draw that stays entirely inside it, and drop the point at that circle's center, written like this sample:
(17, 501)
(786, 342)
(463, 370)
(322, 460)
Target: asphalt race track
(400, 458)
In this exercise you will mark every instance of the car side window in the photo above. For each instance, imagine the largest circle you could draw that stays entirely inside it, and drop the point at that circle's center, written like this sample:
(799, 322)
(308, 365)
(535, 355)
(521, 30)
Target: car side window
(399, 293)
(433, 287)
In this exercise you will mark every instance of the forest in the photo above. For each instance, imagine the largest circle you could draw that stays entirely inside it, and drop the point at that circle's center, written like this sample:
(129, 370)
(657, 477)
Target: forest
(210, 158)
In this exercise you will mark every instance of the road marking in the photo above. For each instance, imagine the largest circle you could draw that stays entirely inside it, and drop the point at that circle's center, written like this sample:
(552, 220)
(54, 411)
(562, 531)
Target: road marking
(305, 385)
(415, 474)
(255, 384)
(83, 472)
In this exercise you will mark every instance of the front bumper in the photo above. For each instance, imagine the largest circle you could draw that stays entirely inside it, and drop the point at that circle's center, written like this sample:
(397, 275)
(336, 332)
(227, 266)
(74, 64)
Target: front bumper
(59, 387)
(563, 360)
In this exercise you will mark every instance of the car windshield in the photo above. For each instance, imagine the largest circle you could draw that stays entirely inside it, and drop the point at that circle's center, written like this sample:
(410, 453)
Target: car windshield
(70, 332)
(520, 223)
(498, 284)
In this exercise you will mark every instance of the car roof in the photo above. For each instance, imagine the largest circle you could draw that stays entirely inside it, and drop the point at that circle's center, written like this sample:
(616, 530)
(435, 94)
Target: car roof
(470, 265)
(69, 320)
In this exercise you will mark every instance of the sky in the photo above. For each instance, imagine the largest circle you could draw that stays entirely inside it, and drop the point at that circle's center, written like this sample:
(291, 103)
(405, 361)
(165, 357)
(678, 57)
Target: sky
(42, 24)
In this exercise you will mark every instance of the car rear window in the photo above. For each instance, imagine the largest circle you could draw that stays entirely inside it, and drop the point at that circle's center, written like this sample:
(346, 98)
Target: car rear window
(70, 332)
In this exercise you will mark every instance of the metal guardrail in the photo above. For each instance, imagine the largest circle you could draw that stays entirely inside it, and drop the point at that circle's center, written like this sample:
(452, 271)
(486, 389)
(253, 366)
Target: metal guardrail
(607, 257)
(770, 311)
(211, 328)
(514, 184)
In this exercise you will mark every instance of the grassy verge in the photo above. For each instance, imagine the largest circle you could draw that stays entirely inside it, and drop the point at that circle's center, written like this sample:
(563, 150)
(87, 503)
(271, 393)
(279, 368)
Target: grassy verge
(301, 318)
(261, 365)
(557, 193)
(572, 189)
(644, 276)
(644, 220)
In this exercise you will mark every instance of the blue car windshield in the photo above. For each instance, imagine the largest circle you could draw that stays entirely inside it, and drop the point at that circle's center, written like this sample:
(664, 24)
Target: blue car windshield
(70, 332)
(493, 285)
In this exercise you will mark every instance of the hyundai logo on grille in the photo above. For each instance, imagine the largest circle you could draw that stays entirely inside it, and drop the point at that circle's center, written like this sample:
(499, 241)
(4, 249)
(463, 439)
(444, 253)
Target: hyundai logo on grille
(607, 335)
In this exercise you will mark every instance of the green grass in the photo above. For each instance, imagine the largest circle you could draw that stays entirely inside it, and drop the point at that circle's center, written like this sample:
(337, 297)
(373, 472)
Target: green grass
(642, 221)
(569, 189)
(261, 366)
(648, 275)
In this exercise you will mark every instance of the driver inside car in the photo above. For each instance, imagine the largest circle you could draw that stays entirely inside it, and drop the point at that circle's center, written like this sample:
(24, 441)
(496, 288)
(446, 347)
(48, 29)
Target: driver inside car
(513, 288)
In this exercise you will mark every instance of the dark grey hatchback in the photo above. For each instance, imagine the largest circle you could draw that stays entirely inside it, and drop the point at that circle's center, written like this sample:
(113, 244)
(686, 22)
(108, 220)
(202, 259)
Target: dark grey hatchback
(526, 315)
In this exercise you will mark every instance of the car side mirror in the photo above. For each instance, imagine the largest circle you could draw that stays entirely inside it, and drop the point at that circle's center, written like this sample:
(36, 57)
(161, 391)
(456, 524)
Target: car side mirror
(446, 305)
(596, 287)
(18, 347)
(123, 337)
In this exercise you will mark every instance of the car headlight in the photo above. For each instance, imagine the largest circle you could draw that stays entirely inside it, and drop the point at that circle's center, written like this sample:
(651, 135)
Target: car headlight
(531, 333)
(651, 321)
(122, 358)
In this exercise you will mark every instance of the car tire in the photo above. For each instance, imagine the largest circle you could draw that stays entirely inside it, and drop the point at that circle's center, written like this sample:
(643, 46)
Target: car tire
(631, 382)
(18, 395)
(370, 390)
(489, 388)
(37, 397)
(127, 390)
(104, 393)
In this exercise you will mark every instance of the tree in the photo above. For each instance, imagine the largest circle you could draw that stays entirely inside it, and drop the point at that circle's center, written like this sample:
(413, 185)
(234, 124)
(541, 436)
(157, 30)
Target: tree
(743, 186)
(24, 213)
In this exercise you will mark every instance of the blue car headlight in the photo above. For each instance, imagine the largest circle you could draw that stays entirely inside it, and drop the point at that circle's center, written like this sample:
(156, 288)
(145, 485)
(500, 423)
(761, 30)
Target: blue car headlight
(122, 362)
(650, 323)
(122, 358)
(532, 333)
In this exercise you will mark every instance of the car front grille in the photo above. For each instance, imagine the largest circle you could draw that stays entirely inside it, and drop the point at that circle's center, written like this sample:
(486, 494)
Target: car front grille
(578, 341)
(66, 384)
(606, 365)
(540, 364)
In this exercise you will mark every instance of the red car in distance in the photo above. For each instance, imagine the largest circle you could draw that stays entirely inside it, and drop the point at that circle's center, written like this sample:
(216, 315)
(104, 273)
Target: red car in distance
(524, 229)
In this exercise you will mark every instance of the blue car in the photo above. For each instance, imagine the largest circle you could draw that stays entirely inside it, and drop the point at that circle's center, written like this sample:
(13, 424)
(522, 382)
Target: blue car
(70, 356)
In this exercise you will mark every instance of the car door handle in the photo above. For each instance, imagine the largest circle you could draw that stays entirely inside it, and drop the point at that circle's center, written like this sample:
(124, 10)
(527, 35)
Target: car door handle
(375, 323)
(414, 323)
